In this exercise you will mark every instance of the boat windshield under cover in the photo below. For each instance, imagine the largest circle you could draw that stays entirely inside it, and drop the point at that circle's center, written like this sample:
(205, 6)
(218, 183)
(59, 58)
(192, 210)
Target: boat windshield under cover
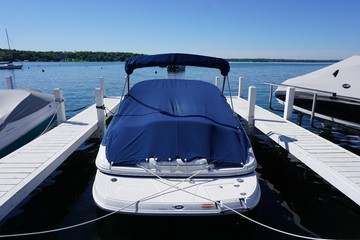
(167, 119)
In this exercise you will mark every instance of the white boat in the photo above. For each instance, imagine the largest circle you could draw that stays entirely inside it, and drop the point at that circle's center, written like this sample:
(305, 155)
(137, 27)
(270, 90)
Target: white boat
(24, 114)
(330, 94)
(10, 65)
(175, 147)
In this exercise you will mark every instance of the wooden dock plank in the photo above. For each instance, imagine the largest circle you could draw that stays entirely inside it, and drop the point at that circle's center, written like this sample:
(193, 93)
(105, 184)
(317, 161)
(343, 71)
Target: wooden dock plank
(16, 170)
(13, 175)
(345, 164)
(356, 180)
(16, 165)
(338, 166)
(6, 187)
(9, 181)
(23, 170)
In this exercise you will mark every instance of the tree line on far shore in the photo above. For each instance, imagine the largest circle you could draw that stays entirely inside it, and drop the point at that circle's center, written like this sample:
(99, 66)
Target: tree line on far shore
(60, 56)
(89, 56)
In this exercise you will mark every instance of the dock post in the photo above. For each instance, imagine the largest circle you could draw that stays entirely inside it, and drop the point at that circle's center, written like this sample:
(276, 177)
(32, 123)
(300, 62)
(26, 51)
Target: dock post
(251, 106)
(289, 102)
(241, 87)
(217, 80)
(102, 85)
(9, 82)
(100, 110)
(312, 116)
(60, 105)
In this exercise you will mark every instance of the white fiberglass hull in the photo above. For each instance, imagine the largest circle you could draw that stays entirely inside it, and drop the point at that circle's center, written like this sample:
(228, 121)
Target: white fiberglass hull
(176, 196)
(337, 93)
(15, 130)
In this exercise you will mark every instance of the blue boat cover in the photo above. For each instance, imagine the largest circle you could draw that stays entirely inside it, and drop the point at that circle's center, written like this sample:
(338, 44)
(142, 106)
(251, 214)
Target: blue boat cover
(171, 118)
(177, 59)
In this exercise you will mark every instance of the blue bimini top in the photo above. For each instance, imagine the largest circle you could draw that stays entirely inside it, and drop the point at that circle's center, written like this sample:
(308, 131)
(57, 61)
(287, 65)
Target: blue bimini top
(177, 59)
(174, 118)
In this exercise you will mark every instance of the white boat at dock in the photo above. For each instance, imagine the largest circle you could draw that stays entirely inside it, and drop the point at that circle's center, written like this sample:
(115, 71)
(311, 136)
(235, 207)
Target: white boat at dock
(175, 147)
(330, 94)
(24, 114)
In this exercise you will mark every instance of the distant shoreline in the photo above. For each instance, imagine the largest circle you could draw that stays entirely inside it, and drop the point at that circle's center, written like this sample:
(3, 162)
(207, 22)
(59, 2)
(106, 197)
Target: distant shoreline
(281, 60)
(88, 56)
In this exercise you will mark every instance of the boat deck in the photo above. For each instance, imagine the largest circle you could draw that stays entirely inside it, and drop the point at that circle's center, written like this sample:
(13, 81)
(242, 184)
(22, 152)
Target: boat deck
(338, 166)
(24, 169)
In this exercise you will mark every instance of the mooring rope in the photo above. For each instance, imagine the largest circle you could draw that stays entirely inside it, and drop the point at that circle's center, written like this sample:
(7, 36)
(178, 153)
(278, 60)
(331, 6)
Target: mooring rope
(51, 120)
(109, 111)
(78, 109)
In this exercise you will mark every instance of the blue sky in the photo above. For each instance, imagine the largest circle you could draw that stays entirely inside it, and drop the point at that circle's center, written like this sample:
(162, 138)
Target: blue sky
(297, 29)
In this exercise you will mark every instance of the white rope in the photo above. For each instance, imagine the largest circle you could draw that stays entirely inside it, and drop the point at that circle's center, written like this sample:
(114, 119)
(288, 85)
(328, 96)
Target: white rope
(57, 229)
(51, 120)
(164, 181)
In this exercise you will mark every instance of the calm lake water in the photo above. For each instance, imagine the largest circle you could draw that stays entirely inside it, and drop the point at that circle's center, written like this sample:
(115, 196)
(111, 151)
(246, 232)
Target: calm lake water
(294, 198)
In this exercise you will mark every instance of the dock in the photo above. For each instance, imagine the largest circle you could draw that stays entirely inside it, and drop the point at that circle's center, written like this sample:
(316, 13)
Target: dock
(338, 166)
(24, 169)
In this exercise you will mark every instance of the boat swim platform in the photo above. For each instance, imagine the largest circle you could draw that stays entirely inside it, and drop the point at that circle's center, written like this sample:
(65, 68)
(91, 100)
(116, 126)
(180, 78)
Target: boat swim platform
(338, 166)
(24, 169)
